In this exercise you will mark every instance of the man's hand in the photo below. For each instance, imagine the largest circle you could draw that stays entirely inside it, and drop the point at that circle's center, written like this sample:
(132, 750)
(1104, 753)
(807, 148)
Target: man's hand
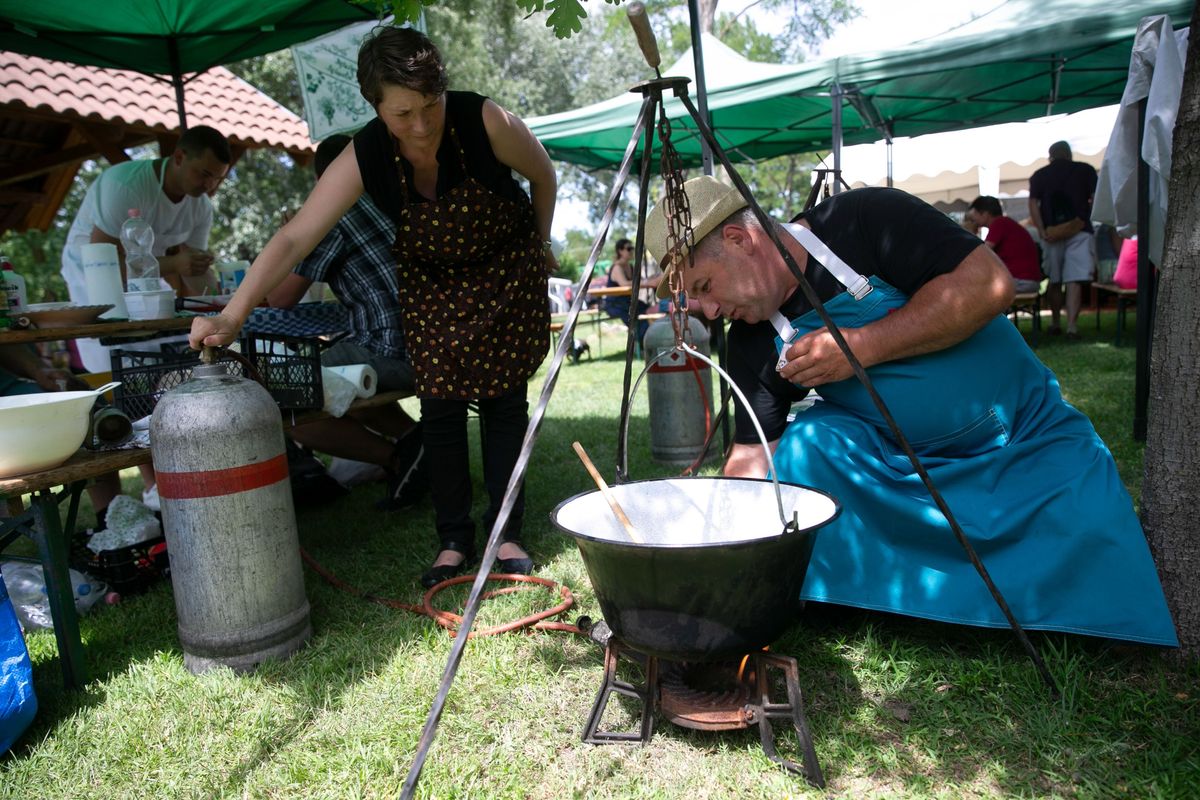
(53, 380)
(187, 262)
(815, 358)
(212, 331)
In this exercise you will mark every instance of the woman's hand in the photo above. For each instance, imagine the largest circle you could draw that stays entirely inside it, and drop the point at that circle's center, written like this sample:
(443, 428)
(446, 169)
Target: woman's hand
(212, 331)
(551, 262)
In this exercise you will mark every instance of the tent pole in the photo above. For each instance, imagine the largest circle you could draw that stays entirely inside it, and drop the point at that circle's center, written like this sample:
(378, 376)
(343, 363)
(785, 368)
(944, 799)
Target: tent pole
(706, 156)
(1147, 288)
(889, 162)
(177, 81)
(835, 98)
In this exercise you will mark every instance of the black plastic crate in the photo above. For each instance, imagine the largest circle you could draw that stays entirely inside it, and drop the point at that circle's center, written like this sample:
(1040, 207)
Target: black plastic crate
(127, 570)
(290, 369)
(146, 376)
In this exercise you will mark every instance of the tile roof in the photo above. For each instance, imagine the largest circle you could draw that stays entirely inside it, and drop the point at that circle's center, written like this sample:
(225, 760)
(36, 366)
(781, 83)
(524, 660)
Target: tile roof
(55, 115)
(216, 97)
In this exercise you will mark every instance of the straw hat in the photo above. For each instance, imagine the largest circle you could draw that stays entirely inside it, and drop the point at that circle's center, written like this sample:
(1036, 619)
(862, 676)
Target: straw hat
(710, 201)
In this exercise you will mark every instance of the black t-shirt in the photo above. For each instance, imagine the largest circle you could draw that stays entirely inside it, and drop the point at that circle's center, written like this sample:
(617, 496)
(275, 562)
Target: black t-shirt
(464, 114)
(1064, 191)
(883, 232)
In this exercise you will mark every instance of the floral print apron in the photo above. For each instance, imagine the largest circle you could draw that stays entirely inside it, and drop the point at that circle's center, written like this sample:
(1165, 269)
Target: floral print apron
(472, 289)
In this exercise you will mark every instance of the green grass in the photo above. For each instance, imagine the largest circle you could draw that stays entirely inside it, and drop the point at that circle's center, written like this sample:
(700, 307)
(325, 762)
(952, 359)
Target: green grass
(898, 708)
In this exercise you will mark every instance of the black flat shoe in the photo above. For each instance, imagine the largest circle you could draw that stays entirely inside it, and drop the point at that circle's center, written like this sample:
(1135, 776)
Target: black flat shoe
(435, 575)
(515, 566)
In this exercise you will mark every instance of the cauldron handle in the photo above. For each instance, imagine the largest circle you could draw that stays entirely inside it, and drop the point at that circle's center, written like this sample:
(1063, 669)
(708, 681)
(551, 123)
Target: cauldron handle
(792, 524)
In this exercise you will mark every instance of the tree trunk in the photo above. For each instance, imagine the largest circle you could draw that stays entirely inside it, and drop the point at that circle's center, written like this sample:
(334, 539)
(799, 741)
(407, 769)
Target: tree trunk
(1171, 489)
(708, 15)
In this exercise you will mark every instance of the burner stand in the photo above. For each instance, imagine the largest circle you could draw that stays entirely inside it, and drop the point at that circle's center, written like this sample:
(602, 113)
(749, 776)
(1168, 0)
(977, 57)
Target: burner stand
(704, 696)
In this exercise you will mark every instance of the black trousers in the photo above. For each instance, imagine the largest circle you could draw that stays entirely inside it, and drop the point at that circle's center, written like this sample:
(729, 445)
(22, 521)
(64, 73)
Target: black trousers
(502, 422)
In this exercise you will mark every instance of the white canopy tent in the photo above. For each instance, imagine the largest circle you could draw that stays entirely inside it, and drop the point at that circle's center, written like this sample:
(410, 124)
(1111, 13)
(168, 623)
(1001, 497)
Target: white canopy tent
(951, 169)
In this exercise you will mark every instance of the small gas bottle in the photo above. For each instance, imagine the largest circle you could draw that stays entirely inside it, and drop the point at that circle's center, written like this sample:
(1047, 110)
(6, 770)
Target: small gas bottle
(221, 464)
(680, 388)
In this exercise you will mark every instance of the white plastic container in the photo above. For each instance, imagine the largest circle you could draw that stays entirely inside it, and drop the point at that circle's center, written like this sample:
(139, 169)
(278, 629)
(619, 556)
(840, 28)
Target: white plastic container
(231, 274)
(158, 304)
(38, 431)
(102, 277)
(12, 286)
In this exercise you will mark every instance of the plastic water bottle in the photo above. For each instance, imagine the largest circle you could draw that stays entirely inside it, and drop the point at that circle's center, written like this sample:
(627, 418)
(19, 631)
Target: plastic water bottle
(13, 287)
(141, 267)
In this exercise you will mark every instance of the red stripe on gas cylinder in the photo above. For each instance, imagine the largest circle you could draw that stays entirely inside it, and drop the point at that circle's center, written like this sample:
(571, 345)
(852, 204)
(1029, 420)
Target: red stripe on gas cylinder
(689, 365)
(219, 482)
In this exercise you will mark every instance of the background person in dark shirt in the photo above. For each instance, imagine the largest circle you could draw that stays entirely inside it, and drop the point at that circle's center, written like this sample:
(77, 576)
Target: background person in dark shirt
(1060, 204)
(1028, 479)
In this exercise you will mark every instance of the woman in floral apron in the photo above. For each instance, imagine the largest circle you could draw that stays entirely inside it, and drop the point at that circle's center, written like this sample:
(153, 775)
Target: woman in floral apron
(473, 256)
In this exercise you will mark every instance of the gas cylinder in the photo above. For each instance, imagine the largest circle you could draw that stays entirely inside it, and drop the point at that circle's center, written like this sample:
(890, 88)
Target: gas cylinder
(219, 456)
(681, 393)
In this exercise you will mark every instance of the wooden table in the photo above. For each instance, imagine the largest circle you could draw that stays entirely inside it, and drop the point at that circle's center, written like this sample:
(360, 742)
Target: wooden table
(96, 330)
(610, 291)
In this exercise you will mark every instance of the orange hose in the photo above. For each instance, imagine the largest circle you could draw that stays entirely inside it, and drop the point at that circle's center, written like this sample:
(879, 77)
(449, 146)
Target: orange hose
(449, 621)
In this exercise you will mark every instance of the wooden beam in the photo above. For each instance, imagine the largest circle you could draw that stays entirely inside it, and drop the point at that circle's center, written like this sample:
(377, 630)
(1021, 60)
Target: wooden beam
(21, 196)
(109, 140)
(45, 163)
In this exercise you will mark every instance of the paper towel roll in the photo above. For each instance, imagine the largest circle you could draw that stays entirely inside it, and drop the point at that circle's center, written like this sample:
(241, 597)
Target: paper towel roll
(102, 277)
(361, 375)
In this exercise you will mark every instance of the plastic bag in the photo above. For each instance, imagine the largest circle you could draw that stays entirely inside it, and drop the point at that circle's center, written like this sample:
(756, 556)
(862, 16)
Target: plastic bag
(339, 392)
(129, 522)
(351, 473)
(18, 703)
(26, 586)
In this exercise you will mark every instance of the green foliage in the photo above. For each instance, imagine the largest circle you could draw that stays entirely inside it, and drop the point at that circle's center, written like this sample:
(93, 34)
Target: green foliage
(807, 23)
(565, 17)
(264, 183)
(37, 255)
(248, 207)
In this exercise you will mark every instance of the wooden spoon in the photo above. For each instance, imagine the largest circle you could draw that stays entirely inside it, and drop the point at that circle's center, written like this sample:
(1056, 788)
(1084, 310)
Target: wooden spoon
(604, 490)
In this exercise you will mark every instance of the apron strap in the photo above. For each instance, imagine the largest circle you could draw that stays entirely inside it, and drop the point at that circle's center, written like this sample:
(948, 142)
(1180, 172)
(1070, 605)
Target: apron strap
(858, 286)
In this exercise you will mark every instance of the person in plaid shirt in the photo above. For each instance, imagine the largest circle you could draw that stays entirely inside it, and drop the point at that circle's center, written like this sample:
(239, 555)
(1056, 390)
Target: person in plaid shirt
(355, 259)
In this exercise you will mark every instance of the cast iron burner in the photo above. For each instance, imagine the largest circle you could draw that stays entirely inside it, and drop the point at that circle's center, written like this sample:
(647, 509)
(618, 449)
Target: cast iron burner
(716, 696)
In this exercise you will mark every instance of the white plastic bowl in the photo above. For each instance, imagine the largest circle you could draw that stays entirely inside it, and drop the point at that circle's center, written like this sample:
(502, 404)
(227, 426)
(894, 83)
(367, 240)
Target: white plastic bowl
(39, 431)
(157, 304)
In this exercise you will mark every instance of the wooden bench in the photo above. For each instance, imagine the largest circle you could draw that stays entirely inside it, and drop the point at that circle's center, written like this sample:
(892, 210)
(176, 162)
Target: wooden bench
(1029, 303)
(1125, 298)
(42, 523)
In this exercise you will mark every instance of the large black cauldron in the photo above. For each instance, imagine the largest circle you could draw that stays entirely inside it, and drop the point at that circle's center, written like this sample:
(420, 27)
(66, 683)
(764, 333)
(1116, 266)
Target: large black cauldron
(717, 577)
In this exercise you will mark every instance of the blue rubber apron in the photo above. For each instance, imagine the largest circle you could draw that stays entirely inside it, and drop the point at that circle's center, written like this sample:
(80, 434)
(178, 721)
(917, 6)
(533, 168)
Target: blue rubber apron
(1028, 479)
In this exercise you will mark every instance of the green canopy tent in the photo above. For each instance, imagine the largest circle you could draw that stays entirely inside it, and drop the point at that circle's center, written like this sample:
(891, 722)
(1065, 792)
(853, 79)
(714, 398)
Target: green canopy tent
(166, 37)
(1025, 59)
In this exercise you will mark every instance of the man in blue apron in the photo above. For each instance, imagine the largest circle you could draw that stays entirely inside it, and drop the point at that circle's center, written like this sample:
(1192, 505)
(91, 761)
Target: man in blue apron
(920, 301)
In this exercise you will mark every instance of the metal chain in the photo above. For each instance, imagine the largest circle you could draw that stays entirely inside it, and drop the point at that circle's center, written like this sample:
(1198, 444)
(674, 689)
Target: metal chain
(678, 216)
